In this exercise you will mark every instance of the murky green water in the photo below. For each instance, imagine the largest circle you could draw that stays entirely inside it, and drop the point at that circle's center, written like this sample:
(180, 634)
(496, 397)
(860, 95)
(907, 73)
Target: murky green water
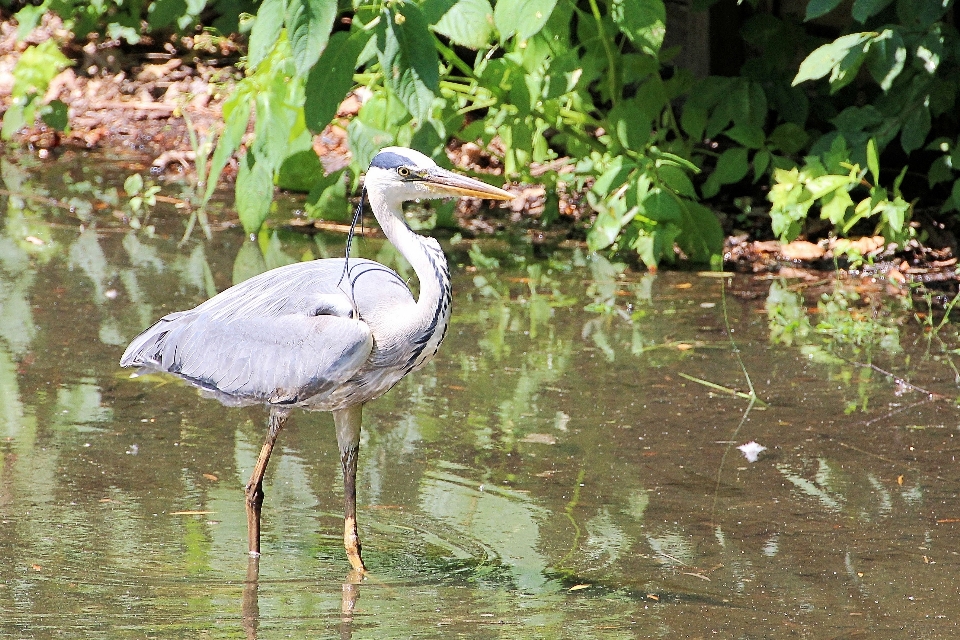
(554, 473)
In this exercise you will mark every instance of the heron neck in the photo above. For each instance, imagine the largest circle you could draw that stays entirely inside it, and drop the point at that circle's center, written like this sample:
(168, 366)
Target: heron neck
(423, 254)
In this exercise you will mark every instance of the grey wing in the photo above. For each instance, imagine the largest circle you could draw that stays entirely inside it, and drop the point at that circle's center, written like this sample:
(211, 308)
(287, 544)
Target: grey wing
(282, 337)
(281, 360)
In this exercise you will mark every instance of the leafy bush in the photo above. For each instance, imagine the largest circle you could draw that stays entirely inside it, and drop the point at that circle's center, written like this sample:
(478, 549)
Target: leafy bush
(37, 67)
(897, 81)
(543, 78)
(126, 19)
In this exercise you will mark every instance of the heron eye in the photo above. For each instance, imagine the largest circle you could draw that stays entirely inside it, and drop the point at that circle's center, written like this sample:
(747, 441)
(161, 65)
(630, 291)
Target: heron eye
(403, 172)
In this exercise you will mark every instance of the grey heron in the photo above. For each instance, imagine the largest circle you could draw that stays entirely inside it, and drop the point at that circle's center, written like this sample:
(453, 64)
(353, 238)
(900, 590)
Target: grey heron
(326, 335)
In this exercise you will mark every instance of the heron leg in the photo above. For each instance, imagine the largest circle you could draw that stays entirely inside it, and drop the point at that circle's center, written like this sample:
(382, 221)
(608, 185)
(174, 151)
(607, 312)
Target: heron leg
(348, 439)
(254, 488)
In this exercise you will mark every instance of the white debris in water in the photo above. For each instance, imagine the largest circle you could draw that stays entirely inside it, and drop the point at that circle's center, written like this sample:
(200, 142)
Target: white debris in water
(751, 450)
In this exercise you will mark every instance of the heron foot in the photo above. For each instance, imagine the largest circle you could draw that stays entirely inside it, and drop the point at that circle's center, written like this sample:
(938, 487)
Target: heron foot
(351, 543)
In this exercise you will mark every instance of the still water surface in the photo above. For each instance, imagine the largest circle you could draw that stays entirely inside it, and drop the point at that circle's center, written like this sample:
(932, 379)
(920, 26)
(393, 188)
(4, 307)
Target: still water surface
(554, 473)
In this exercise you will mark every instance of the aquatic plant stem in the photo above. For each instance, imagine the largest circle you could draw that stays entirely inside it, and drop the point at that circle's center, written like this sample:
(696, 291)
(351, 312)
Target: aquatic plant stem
(752, 396)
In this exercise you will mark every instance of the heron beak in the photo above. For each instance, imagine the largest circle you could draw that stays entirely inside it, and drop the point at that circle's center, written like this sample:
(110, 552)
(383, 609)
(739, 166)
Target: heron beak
(448, 183)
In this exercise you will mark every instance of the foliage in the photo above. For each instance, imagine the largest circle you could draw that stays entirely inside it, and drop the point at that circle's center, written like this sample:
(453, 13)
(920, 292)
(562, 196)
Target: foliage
(129, 20)
(142, 196)
(828, 181)
(543, 80)
(897, 81)
(37, 66)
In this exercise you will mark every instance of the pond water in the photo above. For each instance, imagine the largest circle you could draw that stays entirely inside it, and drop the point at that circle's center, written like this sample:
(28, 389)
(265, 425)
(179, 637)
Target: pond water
(567, 467)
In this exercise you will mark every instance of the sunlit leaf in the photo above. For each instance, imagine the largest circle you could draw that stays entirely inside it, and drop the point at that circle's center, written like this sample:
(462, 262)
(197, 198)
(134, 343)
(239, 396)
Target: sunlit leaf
(332, 77)
(522, 18)
(873, 161)
(265, 32)
(308, 25)
(254, 193)
(643, 21)
(236, 117)
(604, 231)
(409, 58)
(827, 58)
(468, 23)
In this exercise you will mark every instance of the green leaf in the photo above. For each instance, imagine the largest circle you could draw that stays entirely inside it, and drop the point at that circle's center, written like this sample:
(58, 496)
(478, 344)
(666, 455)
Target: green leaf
(887, 57)
(825, 59)
(732, 167)
(643, 21)
(14, 118)
(521, 18)
(468, 23)
(55, 114)
(631, 124)
(761, 160)
(300, 171)
(921, 14)
(365, 141)
(278, 123)
(746, 135)
(236, 117)
(331, 78)
(701, 236)
(254, 192)
(614, 177)
(328, 198)
(939, 171)
(694, 121)
(265, 32)
(955, 195)
(916, 128)
(789, 138)
(28, 18)
(37, 66)
(133, 184)
(863, 9)
(873, 161)
(834, 206)
(308, 27)
(163, 13)
(895, 214)
(604, 231)
(677, 180)
(409, 58)
(817, 8)
(662, 206)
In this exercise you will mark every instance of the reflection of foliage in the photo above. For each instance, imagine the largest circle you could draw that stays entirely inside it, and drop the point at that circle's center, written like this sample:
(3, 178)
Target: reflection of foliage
(787, 315)
(844, 323)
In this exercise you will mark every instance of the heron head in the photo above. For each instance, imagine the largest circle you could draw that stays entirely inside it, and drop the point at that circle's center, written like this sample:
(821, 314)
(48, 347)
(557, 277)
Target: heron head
(400, 174)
